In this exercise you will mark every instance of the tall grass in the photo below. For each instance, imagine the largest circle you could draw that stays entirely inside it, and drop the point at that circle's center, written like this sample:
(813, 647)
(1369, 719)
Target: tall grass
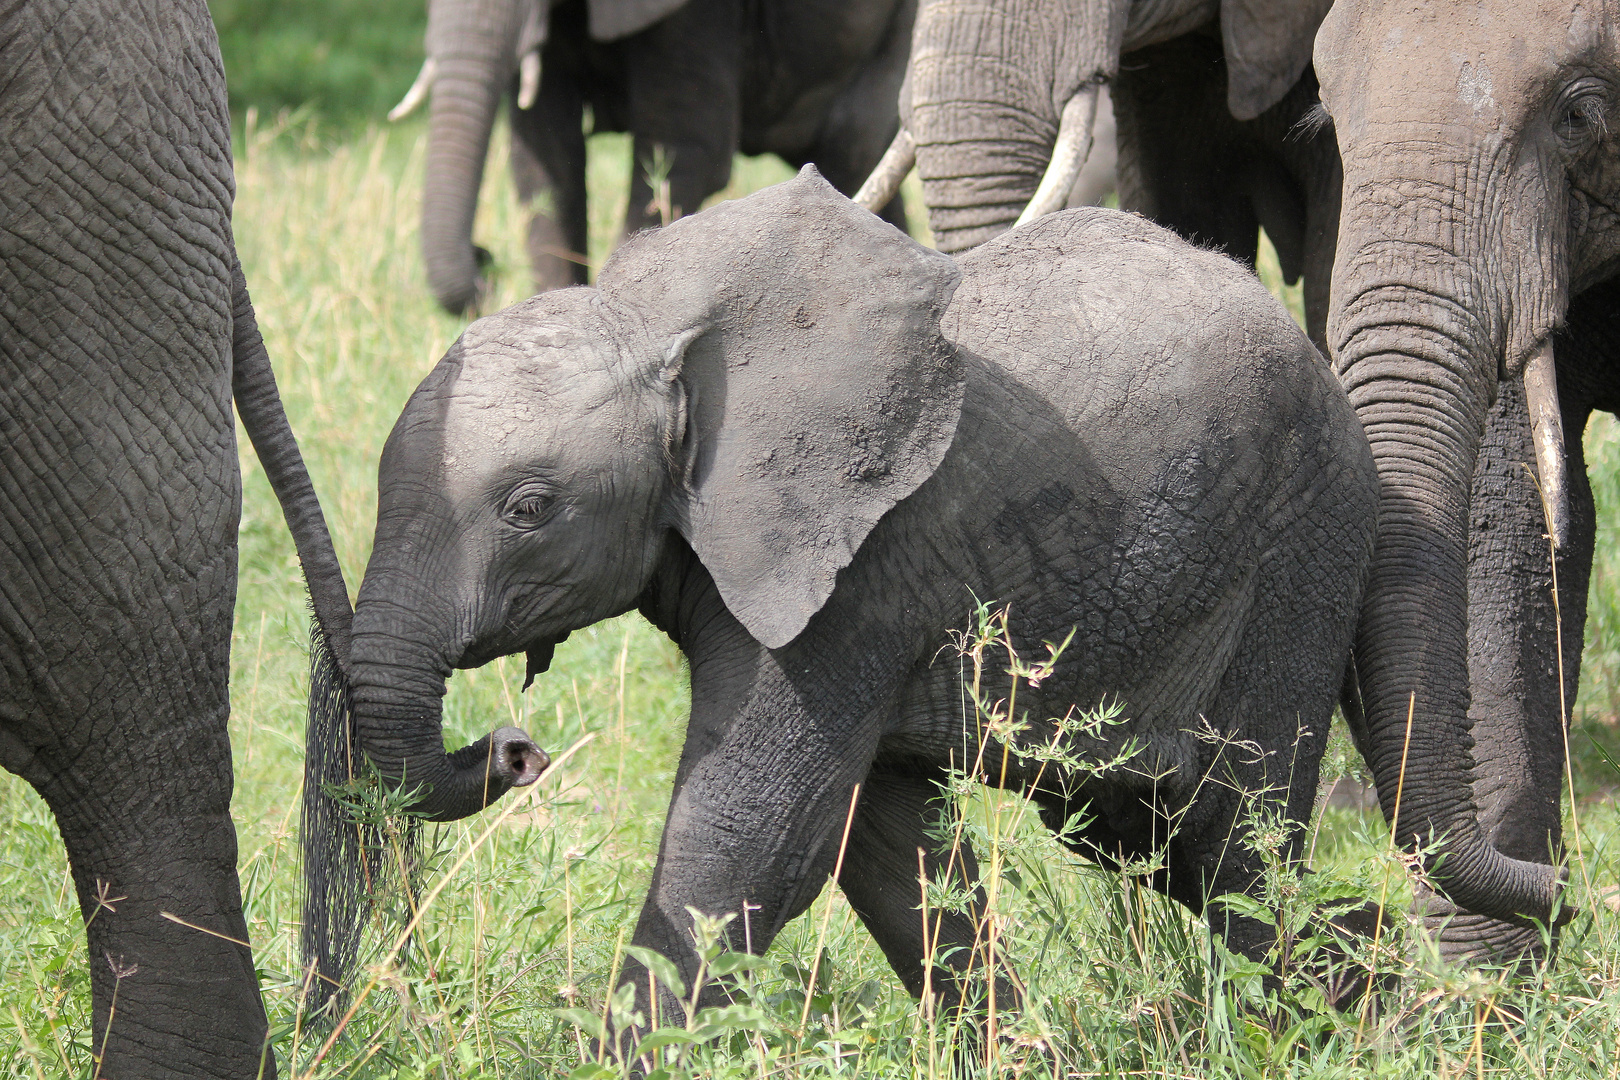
(534, 920)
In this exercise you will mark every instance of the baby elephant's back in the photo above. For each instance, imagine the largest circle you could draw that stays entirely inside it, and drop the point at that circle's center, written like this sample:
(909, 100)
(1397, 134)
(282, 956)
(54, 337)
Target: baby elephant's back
(1188, 384)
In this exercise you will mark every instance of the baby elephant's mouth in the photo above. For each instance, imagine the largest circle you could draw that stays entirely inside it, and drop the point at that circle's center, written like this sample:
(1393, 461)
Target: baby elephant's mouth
(540, 654)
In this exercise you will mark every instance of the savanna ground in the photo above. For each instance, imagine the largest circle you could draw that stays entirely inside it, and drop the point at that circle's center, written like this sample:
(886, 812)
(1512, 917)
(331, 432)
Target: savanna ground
(542, 892)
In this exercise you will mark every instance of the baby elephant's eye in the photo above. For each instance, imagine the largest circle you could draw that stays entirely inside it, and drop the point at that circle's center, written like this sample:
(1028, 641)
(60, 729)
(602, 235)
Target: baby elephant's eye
(528, 507)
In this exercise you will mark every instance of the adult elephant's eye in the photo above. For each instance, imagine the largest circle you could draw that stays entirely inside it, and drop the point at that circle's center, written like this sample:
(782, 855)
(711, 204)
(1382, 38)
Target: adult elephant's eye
(1581, 117)
(528, 506)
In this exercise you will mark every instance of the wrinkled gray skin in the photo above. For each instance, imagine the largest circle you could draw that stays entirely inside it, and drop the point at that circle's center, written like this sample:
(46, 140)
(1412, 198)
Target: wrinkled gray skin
(1205, 95)
(1481, 215)
(801, 444)
(126, 332)
(810, 80)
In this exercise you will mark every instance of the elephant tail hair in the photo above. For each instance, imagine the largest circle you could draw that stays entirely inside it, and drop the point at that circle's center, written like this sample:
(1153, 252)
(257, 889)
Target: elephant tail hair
(354, 850)
(338, 846)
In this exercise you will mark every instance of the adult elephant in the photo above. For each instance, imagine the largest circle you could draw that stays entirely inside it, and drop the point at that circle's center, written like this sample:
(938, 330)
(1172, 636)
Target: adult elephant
(126, 332)
(694, 80)
(1479, 249)
(999, 110)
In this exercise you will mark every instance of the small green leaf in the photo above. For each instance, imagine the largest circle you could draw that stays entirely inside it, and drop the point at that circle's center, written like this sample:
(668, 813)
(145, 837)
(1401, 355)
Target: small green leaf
(1249, 906)
(586, 1021)
(717, 1021)
(732, 962)
(664, 1037)
(661, 967)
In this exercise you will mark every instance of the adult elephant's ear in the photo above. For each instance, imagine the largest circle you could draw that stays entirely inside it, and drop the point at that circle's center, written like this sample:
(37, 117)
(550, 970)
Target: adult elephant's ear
(1267, 45)
(804, 334)
(611, 20)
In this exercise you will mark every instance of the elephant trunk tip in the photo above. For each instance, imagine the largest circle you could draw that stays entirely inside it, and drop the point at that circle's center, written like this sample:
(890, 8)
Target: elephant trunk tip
(1476, 876)
(516, 758)
(463, 294)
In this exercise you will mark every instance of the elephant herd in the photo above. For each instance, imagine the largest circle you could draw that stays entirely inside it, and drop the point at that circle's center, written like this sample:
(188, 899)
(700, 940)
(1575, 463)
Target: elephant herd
(800, 444)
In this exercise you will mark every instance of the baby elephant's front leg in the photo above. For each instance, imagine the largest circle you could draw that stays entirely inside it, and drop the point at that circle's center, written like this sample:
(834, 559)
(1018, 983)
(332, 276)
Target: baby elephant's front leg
(754, 828)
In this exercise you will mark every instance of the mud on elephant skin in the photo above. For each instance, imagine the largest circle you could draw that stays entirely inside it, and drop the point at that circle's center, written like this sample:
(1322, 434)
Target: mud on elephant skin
(1002, 96)
(801, 444)
(695, 81)
(1471, 321)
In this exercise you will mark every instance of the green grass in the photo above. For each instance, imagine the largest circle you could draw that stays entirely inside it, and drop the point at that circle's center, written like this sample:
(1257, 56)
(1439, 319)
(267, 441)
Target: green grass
(1120, 982)
(350, 59)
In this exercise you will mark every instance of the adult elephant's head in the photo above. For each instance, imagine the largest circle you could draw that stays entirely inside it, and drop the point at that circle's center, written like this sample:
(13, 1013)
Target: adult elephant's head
(765, 378)
(476, 51)
(1480, 193)
(1000, 95)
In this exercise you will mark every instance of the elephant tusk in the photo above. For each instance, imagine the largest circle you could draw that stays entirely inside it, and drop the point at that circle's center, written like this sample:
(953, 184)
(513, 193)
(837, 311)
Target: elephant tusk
(418, 91)
(1068, 154)
(1547, 432)
(528, 79)
(885, 180)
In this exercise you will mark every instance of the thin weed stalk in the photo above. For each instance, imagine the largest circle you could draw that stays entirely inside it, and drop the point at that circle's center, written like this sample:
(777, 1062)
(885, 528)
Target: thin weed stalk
(1383, 895)
(433, 894)
(826, 913)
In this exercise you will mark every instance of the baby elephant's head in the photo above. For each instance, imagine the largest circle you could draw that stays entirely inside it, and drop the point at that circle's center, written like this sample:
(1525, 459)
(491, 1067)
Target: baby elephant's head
(525, 489)
(766, 379)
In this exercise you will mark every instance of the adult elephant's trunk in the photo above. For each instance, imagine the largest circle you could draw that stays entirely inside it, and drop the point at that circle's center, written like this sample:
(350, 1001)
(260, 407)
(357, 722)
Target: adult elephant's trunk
(984, 94)
(1418, 327)
(472, 52)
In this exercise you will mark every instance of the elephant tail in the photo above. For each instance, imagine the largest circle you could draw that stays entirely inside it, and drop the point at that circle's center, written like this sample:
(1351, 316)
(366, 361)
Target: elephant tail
(336, 848)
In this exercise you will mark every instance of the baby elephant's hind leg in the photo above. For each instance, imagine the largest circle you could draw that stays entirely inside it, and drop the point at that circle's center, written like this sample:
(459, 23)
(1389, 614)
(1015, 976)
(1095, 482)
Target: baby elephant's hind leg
(897, 823)
(1268, 723)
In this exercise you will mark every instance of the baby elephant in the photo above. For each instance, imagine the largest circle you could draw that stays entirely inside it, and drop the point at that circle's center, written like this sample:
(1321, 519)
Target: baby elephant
(802, 444)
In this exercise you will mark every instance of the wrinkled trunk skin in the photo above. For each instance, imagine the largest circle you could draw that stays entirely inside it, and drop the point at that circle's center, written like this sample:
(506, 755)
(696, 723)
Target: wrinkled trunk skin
(1420, 318)
(398, 675)
(1513, 662)
(472, 43)
(984, 92)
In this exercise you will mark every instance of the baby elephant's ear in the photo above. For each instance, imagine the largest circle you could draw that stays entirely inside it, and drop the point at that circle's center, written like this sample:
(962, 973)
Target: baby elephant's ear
(819, 390)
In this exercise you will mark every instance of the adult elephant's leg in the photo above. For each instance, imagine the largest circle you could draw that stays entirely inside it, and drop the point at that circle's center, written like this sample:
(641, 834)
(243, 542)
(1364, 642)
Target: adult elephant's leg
(1324, 184)
(896, 824)
(1307, 216)
(172, 976)
(548, 166)
(114, 705)
(1513, 663)
(682, 77)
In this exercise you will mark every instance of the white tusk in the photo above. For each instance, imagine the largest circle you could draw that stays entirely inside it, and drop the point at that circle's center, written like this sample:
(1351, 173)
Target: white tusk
(418, 91)
(1068, 155)
(891, 169)
(528, 78)
(1547, 432)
